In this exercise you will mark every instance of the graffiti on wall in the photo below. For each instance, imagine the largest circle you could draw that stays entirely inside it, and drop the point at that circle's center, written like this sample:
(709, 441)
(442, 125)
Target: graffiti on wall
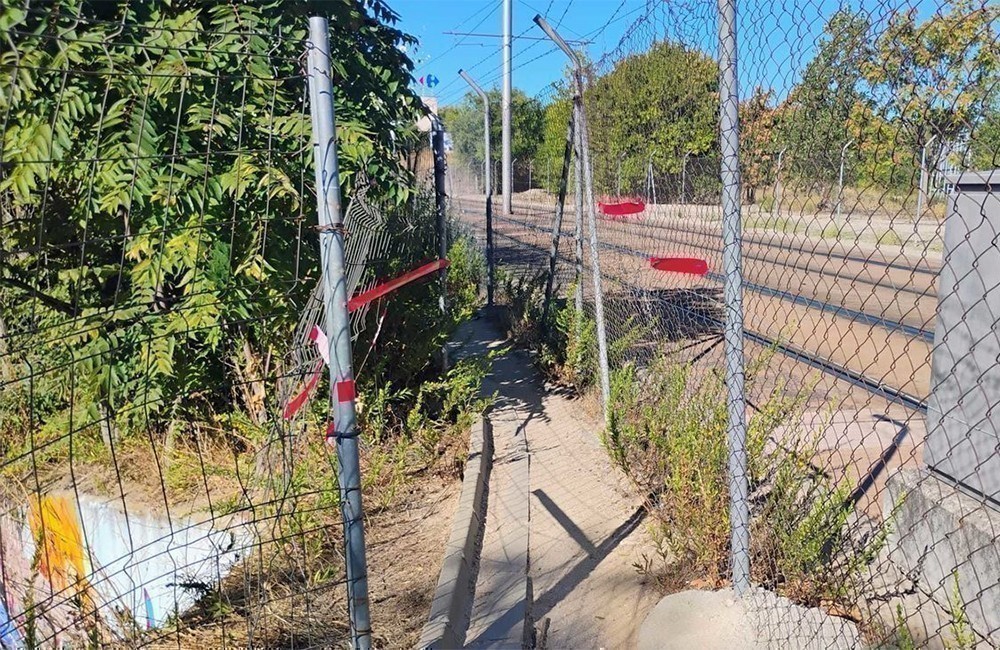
(70, 564)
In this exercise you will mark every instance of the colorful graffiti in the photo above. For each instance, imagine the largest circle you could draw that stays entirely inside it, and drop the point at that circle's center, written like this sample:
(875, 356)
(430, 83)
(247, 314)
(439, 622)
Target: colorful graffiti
(70, 565)
(61, 557)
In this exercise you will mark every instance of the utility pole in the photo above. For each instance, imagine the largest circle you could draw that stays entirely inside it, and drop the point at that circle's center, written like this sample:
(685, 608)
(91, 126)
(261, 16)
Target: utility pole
(507, 169)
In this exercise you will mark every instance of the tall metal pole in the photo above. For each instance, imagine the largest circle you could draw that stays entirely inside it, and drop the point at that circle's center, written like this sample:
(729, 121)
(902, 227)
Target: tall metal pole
(618, 181)
(729, 135)
(922, 199)
(557, 222)
(684, 166)
(507, 170)
(776, 208)
(578, 233)
(331, 238)
(441, 205)
(488, 166)
(583, 152)
(840, 183)
(650, 181)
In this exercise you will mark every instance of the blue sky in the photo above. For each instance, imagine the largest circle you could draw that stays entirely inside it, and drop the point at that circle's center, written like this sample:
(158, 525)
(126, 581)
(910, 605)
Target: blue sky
(777, 38)
(536, 63)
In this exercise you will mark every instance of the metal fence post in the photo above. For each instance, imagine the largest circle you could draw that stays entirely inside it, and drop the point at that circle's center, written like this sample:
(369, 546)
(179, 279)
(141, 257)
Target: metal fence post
(922, 198)
(441, 205)
(344, 425)
(650, 181)
(776, 203)
(490, 277)
(840, 182)
(739, 510)
(578, 233)
(595, 263)
(557, 222)
(684, 167)
(583, 153)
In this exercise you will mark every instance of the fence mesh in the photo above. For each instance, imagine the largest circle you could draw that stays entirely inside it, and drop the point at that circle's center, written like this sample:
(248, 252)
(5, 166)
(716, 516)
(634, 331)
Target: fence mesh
(164, 476)
(868, 133)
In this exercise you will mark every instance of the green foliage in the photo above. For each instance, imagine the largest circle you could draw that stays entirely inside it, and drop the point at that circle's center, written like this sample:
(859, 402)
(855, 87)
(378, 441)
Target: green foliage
(667, 431)
(814, 123)
(573, 341)
(662, 103)
(465, 123)
(451, 400)
(552, 149)
(404, 396)
(903, 637)
(402, 348)
(985, 141)
(962, 636)
(520, 299)
(151, 180)
(936, 77)
(892, 88)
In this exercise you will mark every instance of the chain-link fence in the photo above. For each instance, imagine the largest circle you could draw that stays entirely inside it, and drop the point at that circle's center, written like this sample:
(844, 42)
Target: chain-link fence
(167, 473)
(847, 467)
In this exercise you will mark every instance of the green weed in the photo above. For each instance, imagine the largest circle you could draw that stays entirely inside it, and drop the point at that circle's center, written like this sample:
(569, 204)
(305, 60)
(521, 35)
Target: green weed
(667, 431)
(962, 636)
(889, 237)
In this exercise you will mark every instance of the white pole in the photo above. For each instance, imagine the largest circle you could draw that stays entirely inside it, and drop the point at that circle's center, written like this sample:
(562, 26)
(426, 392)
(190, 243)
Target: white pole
(776, 208)
(507, 171)
(732, 264)
(922, 199)
(840, 183)
(684, 166)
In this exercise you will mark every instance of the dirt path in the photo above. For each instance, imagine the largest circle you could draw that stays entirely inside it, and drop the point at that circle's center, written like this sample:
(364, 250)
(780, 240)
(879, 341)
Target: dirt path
(563, 528)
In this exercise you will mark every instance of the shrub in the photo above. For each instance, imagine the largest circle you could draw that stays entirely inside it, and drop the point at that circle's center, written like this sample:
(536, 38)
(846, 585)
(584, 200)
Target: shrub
(668, 432)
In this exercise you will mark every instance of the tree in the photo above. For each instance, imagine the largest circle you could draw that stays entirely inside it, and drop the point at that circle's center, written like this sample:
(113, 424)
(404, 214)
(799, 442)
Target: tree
(815, 117)
(939, 77)
(152, 184)
(550, 153)
(758, 120)
(662, 104)
(985, 141)
(465, 123)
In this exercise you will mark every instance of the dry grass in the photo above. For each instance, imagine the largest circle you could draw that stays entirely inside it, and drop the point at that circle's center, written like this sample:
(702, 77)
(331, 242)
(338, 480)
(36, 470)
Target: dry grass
(291, 591)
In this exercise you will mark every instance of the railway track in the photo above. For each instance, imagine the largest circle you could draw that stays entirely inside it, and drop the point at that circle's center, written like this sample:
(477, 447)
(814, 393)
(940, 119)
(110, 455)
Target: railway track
(855, 318)
(840, 310)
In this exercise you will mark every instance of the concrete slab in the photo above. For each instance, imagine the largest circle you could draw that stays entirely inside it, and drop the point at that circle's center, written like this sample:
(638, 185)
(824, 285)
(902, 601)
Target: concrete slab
(555, 498)
(945, 540)
(501, 605)
(709, 620)
(718, 620)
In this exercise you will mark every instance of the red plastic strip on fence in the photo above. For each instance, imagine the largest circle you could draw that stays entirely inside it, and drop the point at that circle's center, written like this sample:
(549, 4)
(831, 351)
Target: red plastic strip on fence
(389, 286)
(293, 406)
(621, 208)
(345, 390)
(318, 336)
(691, 265)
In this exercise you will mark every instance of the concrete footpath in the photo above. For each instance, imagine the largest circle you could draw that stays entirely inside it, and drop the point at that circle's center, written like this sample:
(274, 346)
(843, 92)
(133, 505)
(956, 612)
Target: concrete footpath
(563, 528)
